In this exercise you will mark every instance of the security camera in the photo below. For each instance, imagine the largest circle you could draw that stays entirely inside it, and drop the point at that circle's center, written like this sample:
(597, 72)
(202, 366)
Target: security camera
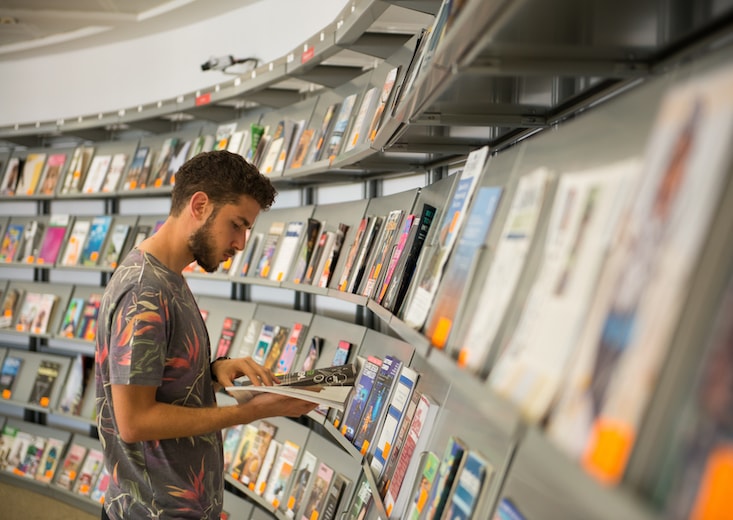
(218, 63)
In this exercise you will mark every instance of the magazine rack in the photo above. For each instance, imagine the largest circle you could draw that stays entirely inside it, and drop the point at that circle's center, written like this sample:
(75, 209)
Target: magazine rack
(261, 229)
(50, 489)
(24, 385)
(582, 87)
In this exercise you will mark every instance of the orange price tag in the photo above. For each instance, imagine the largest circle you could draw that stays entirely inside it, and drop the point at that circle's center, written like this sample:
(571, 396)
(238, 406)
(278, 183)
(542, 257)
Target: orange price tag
(462, 357)
(440, 334)
(422, 499)
(713, 497)
(454, 221)
(608, 450)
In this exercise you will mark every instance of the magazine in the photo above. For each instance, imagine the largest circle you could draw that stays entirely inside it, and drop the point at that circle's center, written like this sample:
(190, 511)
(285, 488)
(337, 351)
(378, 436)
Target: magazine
(328, 386)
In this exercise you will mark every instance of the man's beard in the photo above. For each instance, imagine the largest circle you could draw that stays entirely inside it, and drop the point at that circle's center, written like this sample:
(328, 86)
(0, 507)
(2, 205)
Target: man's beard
(203, 251)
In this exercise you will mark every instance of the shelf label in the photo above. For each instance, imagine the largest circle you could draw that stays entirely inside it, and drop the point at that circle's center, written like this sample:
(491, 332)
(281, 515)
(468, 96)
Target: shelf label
(203, 99)
(308, 55)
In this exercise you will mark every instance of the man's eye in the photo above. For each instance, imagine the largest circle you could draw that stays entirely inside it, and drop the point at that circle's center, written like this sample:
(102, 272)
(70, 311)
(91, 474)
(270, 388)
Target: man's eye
(237, 227)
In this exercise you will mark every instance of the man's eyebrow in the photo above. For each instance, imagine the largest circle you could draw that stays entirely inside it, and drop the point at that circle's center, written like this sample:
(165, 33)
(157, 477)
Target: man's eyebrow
(245, 222)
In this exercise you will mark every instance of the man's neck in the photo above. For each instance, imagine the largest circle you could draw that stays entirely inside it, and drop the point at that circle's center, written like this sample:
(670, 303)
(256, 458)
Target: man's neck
(169, 246)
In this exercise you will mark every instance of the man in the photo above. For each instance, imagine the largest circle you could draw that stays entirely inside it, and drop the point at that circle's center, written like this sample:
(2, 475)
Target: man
(156, 409)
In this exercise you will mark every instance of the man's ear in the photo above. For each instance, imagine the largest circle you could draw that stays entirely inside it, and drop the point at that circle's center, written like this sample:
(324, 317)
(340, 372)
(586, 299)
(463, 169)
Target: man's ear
(199, 205)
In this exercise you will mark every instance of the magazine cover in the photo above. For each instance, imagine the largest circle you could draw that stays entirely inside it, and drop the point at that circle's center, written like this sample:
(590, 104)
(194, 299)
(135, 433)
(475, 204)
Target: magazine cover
(51, 174)
(97, 235)
(48, 373)
(8, 375)
(328, 386)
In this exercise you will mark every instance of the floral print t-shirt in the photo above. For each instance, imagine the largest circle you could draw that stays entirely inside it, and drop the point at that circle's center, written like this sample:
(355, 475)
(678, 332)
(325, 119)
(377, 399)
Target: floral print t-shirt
(150, 332)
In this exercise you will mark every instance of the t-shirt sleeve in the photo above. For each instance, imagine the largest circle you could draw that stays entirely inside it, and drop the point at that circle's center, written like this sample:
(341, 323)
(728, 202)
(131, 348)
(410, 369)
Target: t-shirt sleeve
(138, 339)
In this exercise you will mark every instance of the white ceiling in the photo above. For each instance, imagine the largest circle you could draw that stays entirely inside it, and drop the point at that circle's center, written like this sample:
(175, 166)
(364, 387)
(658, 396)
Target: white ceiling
(40, 27)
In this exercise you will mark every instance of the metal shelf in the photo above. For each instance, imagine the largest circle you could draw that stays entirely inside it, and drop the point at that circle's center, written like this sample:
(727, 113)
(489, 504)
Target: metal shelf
(546, 483)
(364, 33)
(515, 67)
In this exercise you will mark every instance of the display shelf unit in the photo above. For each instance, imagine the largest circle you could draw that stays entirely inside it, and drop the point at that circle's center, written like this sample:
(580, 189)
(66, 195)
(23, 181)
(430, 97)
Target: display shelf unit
(705, 300)
(569, 76)
(52, 490)
(52, 346)
(287, 430)
(497, 438)
(542, 480)
(348, 213)
(62, 293)
(326, 58)
(262, 228)
(316, 434)
(332, 331)
(508, 69)
(23, 252)
(538, 75)
(217, 311)
(24, 386)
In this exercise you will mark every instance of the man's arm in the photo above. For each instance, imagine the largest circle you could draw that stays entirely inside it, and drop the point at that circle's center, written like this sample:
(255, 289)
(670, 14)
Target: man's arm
(141, 418)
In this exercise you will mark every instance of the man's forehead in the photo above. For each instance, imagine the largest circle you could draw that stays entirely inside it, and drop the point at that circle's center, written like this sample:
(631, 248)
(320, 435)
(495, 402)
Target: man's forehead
(246, 210)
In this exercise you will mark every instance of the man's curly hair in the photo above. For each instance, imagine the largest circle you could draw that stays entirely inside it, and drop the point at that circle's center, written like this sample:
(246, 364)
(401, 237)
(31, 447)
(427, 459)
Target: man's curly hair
(224, 177)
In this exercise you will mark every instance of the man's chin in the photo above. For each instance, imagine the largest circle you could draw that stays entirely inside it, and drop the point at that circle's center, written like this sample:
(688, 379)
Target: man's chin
(206, 267)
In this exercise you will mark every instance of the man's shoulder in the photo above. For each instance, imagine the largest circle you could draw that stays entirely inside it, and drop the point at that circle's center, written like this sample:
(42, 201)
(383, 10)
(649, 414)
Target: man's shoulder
(143, 269)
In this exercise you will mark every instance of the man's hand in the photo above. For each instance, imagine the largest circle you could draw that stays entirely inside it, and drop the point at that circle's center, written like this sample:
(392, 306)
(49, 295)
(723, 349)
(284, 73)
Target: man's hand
(227, 370)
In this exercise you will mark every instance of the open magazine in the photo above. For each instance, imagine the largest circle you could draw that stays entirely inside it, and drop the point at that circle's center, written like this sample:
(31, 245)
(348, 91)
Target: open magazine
(328, 386)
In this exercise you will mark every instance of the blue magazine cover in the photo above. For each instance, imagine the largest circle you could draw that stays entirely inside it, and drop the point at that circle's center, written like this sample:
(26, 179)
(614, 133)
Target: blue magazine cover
(97, 235)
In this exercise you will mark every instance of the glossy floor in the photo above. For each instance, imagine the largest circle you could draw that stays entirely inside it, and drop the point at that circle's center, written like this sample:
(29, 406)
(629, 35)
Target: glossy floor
(22, 504)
